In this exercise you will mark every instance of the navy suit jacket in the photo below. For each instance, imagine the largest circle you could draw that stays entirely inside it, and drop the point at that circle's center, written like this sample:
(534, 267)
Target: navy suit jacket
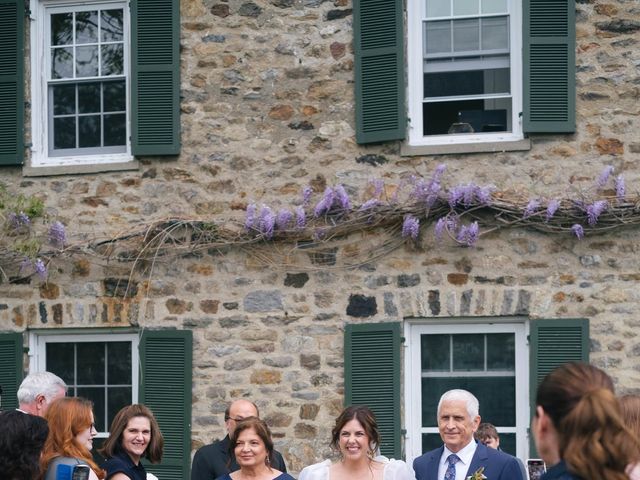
(497, 465)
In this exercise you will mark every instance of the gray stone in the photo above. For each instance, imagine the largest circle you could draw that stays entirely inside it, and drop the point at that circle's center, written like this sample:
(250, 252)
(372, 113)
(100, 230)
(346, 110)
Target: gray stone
(263, 301)
(238, 364)
(249, 9)
(390, 308)
(465, 302)
(214, 38)
(405, 281)
(278, 362)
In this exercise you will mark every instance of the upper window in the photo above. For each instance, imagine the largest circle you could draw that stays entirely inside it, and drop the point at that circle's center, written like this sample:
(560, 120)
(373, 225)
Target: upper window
(464, 71)
(80, 88)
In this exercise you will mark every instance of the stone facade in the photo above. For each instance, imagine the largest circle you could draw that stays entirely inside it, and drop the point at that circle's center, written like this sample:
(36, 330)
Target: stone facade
(267, 107)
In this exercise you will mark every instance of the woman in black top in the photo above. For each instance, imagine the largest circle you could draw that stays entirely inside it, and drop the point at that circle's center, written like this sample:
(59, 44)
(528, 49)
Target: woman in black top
(134, 434)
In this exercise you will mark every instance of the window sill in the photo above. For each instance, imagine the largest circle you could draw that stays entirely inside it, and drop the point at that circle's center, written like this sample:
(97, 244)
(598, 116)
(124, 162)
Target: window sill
(407, 150)
(46, 171)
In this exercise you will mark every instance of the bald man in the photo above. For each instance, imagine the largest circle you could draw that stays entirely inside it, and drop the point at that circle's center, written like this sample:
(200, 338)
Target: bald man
(212, 461)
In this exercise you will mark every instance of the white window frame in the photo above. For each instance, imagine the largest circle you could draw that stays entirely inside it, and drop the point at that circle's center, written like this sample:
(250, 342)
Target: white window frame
(39, 340)
(416, 12)
(39, 103)
(413, 376)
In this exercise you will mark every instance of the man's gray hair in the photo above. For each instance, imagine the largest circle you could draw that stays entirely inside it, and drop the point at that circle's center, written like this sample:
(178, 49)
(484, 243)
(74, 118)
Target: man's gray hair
(473, 406)
(40, 383)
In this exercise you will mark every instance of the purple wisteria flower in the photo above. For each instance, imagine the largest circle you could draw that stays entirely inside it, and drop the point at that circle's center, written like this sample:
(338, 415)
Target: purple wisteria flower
(342, 197)
(595, 210)
(578, 231)
(437, 174)
(620, 188)
(441, 226)
(307, 191)
(319, 234)
(283, 219)
(266, 222)
(250, 219)
(325, 203)
(40, 268)
(468, 235)
(552, 208)
(483, 194)
(531, 208)
(378, 187)
(19, 221)
(456, 195)
(369, 204)
(604, 176)
(410, 227)
(301, 218)
(57, 235)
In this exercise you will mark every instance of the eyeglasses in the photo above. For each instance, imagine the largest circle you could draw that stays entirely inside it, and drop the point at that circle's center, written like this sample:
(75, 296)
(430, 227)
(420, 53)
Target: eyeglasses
(237, 419)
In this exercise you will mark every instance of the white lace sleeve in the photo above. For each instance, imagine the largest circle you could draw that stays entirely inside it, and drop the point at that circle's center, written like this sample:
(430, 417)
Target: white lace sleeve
(398, 470)
(317, 471)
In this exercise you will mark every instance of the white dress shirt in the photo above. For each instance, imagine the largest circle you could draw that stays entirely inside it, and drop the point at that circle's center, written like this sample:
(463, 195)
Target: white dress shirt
(465, 455)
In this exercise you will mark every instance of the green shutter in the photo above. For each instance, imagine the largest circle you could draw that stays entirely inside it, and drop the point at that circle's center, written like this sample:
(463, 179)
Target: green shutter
(11, 82)
(379, 70)
(552, 343)
(165, 387)
(372, 377)
(10, 368)
(549, 65)
(155, 77)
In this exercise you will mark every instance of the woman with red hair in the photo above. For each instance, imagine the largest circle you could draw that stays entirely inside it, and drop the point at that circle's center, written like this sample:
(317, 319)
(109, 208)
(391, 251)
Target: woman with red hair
(70, 440)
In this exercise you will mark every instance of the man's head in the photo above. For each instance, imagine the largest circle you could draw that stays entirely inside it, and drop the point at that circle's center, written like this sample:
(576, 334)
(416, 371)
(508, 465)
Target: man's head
(239, 410)
(487, 435)
(38, 390)
(458, 418)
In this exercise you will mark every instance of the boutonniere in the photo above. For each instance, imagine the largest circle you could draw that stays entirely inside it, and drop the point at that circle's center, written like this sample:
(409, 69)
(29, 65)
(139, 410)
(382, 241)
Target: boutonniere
(477, 475)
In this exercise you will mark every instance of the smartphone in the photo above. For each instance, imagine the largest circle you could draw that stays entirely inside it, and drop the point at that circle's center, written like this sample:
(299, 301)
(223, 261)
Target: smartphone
(535, 468)
(72, 472)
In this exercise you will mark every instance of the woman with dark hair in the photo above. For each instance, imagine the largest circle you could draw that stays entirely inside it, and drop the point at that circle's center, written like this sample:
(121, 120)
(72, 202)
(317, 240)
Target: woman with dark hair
(22, 437)
(252, 446)
(356, 438)
(70, 440)
(134, 434)
(578, 426)
(630, 405)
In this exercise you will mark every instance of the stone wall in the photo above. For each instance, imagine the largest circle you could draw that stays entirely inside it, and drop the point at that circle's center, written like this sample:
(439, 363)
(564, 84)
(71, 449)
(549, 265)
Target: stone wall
(267, 107)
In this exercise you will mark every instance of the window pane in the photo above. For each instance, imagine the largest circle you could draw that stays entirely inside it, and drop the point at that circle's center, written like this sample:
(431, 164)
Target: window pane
(89, 98)
(62, 63)
(494, 6)
(89, 136)
(438, 8)
(61, 29)
(495, 394)
(431, 441)
(434, 351)
(64, 132)
(465, 7)
(495, 33)
(466, 35)
(501, 352)
(60, 361)
(492, 115)
(64, 99)
(119, 362)
(438, 37)
(117, 397)
(87, 61)
(111, 25)
(508, 443)
(87, 27)
(114, 97)
(468, 352)
(115, 129)
(112, 59)
(96, 395)
(467, 82)
(90, 354)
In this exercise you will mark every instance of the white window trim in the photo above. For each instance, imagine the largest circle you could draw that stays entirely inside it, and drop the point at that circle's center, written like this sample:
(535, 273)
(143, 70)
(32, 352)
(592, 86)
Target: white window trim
(37, 352)
(413, 384)
(416, 11)
(39, 61)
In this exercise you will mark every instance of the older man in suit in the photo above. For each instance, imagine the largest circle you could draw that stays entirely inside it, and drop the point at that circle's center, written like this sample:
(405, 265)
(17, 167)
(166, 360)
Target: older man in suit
(461, 457)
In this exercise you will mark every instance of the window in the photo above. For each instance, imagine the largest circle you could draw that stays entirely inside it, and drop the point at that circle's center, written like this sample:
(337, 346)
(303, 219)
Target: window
(80, 88)
(464, 71)
(490, 361)
(97, 367)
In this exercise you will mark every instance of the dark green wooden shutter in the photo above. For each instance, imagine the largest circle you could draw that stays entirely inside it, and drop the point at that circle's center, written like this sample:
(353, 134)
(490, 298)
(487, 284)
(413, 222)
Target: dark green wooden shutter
(552, 343)
(549, 65)
(11, 82)
(165, 387)
(372, 377)
(155, 77)
(379, 70)
(10, 368)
